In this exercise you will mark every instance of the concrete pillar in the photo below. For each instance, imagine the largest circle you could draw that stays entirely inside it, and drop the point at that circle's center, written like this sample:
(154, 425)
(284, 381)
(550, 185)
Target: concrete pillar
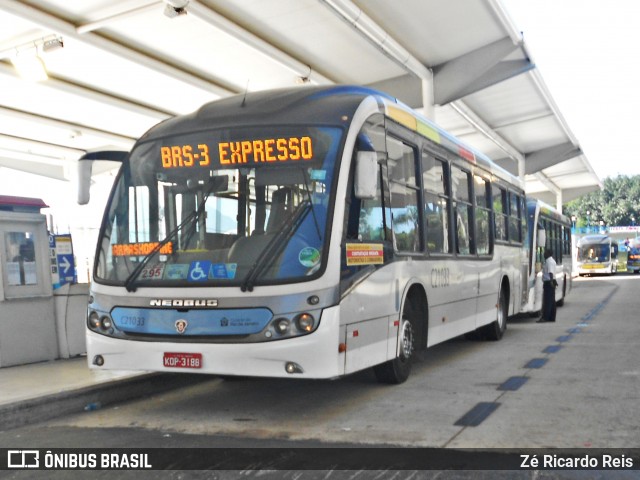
(428, 104)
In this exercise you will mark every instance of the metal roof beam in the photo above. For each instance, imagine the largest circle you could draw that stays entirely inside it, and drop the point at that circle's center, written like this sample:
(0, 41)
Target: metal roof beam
(369, 29)
(406, 88)
(480, 125)
(95, 95)
(380, 38)
(213, 18)
(553, 189)
(125, 13)
(573, 193)
(546, 181)
(548, 157)
(57, 123)
(37, 168)
(34, 145)
(63, 27)
(568, 194)
(508, 164)
(477, 70)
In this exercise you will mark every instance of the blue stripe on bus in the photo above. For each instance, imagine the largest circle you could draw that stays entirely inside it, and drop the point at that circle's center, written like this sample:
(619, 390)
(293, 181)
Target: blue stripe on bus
(240, 321)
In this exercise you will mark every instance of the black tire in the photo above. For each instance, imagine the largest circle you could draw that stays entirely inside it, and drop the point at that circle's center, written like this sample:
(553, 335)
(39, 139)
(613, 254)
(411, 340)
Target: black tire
(495, 330)
(397, 370)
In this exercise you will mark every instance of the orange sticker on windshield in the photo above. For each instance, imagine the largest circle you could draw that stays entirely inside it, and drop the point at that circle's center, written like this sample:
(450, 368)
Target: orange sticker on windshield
(364, 254)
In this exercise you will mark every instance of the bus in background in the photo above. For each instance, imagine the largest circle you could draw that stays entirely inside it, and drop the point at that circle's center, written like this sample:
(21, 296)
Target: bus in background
(548, 228)
(309, 232)
(633, 256)
(597, 254)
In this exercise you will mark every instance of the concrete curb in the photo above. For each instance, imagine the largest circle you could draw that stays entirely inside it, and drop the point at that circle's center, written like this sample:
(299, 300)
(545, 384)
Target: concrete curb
(47, 407)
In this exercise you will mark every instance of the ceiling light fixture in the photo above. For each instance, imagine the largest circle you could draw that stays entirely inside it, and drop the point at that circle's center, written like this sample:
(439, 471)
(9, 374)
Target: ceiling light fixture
(30, 66)
(174, 8)
(304, 79)
(51, 44)
(26, 57)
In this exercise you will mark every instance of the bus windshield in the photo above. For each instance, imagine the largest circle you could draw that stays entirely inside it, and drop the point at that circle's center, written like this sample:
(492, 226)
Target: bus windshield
(239, 206)
(595, 252)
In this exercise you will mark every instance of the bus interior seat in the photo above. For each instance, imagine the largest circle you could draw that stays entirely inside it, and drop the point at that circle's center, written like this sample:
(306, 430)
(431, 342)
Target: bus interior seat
(280, 209)
(246, 250)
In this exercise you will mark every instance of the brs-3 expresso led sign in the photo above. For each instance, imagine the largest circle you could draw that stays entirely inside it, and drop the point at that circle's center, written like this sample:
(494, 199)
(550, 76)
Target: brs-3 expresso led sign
(238, 153)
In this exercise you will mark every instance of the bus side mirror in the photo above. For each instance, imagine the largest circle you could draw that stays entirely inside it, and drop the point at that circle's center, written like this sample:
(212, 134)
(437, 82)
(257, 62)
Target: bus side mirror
(366, 175)
(542, 238)
(85, 170)
(84, 181)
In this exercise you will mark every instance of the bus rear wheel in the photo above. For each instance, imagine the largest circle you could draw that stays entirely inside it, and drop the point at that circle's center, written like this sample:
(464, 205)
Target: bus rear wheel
(397, 370)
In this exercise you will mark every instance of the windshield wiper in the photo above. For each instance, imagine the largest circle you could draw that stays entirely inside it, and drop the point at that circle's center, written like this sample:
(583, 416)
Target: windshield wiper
(313, 210)
(275, 245)
(193, 216)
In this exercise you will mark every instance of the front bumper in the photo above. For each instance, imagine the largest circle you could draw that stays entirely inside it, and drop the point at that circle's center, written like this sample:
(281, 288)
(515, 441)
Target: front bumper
(316, 354)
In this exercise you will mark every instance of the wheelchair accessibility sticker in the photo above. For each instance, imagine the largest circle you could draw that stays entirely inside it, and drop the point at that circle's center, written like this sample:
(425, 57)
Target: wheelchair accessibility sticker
(199, 271)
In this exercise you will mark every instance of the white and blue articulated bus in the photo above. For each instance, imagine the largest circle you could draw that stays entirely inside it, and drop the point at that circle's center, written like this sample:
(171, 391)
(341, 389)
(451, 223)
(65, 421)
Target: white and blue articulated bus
(548, 229)
(309, 232)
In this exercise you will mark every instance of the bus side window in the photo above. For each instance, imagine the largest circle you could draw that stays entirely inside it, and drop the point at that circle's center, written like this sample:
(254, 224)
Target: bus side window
(371, 219)
(500, 212)
(367, 218)
(558, 244)
(436, 204)
(482, 215)
(405, 210)
(515, 215)
(462, 210)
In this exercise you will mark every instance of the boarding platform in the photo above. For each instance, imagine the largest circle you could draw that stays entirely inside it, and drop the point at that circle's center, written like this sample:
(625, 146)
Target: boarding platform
(40, 391)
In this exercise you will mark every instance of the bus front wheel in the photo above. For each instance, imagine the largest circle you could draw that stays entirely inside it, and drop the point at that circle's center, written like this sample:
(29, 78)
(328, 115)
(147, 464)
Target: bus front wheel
(397, 370)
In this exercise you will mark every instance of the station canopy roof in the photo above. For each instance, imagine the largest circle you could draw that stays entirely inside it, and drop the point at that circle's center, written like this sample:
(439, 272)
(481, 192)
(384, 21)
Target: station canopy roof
(115, 68)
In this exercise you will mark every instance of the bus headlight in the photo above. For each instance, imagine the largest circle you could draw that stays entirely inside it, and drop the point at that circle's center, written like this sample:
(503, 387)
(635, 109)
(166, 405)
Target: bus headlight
(94, 320)
(288, 325)
(106, 323)
(304, 322)
(281, 325)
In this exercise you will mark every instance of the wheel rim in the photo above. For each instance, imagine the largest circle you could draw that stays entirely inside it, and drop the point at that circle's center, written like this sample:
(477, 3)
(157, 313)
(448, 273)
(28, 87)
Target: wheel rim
(406, 340)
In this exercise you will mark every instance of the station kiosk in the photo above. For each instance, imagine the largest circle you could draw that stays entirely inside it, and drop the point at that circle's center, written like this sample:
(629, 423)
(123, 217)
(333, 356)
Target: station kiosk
(27, 316)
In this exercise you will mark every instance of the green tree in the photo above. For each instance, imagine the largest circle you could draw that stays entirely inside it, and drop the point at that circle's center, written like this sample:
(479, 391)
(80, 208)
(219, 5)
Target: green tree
(618, 203)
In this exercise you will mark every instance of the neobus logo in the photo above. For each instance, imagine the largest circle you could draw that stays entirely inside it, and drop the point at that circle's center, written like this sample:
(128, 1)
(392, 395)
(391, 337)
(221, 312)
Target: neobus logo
(187, 302)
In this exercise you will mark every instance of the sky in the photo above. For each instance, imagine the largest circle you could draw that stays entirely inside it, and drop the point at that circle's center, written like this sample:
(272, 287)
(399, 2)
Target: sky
(588, 54)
